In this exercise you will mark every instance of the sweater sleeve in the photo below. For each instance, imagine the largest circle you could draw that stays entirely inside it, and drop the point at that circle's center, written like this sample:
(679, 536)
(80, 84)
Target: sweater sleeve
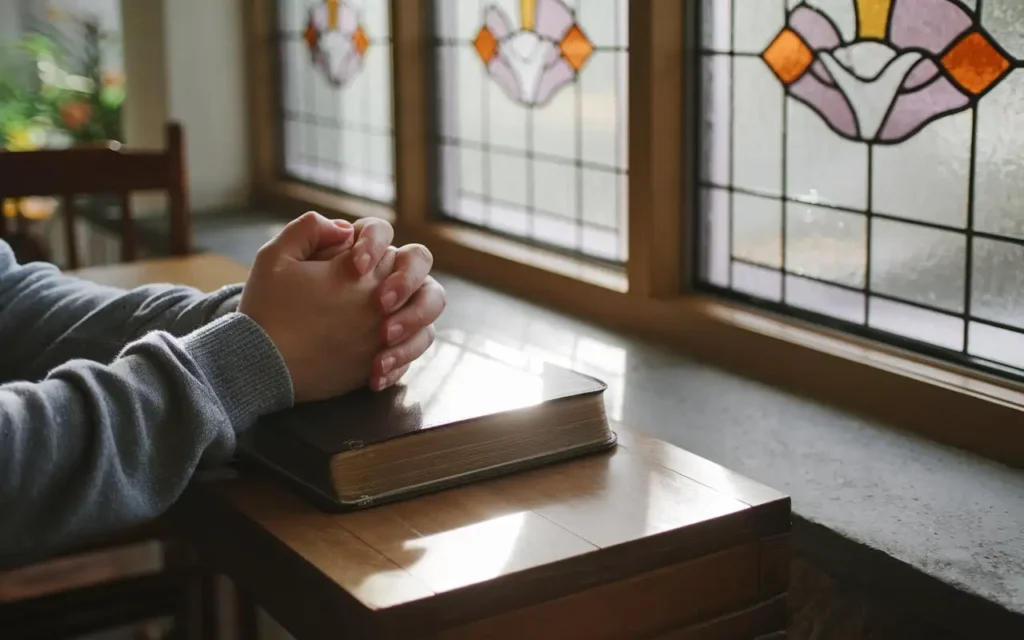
(48, 318)
(96, 446)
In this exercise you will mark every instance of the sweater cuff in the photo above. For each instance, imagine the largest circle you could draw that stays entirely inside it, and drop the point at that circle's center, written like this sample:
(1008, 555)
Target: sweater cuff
(242, 366)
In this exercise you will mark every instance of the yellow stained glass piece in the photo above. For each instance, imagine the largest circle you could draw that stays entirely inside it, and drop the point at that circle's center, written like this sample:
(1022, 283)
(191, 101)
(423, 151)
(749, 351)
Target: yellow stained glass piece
(873, 18)
(332, 14)
(528, 14)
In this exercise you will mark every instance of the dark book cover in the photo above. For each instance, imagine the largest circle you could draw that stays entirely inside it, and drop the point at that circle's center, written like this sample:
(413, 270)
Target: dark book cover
(450, 384)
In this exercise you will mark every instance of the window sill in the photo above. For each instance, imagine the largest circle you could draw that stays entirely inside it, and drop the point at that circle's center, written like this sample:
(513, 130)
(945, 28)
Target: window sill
(942, 401)
(945, 402)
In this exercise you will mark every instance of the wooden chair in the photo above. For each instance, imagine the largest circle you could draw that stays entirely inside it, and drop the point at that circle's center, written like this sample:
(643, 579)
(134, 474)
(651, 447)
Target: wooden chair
(181, 589)
(109, 170)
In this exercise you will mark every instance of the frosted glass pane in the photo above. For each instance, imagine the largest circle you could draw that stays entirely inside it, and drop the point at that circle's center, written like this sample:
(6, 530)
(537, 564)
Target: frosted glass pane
(715, 240)
(918, 264)
(757, 229)
(928, 176)
(755, 24)
(821, 166)
(539, 92)
(717, 84)
(999, 174)
(826, 244)
(555, 188)
(916, 323)
(716, 25)
(600, 198)
(1004, 19)
(599, 109)
(757, 124)
(471, 171)
(997, 290)
(825, 299)
(340, 97)
(998, 345)
(757, 281)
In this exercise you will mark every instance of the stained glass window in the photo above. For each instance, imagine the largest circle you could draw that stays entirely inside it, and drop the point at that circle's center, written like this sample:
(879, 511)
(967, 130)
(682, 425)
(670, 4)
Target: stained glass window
(862, 167)
(336, 95)
(533, 120)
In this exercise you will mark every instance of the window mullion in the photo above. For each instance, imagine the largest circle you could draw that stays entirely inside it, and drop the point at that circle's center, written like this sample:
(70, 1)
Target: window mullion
(657, 155)
(412, 34)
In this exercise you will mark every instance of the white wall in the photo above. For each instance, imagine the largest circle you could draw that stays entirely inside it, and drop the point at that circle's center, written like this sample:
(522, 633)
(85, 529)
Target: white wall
(205, 73)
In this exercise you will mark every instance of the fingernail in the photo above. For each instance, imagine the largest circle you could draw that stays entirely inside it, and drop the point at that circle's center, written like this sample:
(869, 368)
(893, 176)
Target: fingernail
(394, 332)
(381, 382)
(343, 224)
(388, 300)
(362, 262)
(387, 364)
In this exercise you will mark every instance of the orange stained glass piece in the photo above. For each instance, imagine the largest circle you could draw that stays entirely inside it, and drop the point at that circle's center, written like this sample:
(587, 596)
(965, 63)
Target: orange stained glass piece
(311, 36)
(576, 47)
(975, 63)
(788, 56)
(486, 45)
(360, 41)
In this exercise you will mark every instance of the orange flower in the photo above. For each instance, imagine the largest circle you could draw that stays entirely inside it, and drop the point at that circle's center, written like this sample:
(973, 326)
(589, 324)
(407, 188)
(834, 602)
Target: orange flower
(75, 115)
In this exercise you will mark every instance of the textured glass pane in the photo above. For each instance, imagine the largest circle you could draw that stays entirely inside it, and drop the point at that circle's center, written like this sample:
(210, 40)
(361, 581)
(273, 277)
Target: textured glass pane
(715, 205)
(1004, 19)
(918, 264)
(757, 127)
(997, 290)
(757, 229)
(716, 23)
(539, 89)
(891, 134)
(336, 87)
(825, 299)
(716, 88)
(756, 23)
(998, 345)
(826, 244)
(999, 173)
(928, 176)
(757, 281)
(821, 167)
(916, 323)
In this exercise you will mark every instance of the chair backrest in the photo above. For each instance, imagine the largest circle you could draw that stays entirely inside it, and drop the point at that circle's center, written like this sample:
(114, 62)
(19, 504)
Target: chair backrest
(112, 170)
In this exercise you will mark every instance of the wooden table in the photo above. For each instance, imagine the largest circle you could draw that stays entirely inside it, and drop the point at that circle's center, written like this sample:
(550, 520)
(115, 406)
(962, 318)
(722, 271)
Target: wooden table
(644, 541)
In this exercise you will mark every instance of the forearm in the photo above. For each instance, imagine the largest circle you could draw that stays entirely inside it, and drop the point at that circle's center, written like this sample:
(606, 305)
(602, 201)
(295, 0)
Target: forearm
(48, 318)
(95, 448)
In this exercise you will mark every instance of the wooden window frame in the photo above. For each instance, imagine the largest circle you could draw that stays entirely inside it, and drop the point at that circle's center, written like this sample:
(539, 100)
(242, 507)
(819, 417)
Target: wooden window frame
(651, 296)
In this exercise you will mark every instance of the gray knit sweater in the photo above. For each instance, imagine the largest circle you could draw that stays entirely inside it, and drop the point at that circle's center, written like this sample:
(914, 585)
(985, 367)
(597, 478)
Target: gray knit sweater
(110, 400)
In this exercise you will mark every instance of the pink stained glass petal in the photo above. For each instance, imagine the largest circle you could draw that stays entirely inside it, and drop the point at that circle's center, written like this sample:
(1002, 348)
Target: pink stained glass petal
(931, 25)
(828, 102)
(498, 23)
(553, 19)
(346, 68)
(506, 78)
(914, 110)
(922, 73)
(554, 78)
(348, 19)
(814, 28)
(822, 73)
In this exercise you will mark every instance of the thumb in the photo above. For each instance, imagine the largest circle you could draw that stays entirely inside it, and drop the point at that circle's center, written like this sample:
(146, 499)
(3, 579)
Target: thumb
(301, 237)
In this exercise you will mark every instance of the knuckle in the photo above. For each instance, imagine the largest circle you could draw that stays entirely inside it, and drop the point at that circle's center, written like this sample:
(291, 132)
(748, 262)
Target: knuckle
(421, 252)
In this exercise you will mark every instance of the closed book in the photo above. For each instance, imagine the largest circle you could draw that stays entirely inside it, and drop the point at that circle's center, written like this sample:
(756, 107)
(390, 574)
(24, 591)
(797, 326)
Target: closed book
(459, 415)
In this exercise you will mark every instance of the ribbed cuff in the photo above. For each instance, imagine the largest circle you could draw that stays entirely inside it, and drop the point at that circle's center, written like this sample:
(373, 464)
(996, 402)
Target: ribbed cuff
(243, 366)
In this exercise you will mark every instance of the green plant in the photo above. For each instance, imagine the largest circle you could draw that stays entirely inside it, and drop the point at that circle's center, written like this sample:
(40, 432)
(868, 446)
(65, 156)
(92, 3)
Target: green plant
(82, 104)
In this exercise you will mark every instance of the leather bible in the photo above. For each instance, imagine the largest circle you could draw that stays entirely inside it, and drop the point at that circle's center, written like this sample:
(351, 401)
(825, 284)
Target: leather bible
(460, 414)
